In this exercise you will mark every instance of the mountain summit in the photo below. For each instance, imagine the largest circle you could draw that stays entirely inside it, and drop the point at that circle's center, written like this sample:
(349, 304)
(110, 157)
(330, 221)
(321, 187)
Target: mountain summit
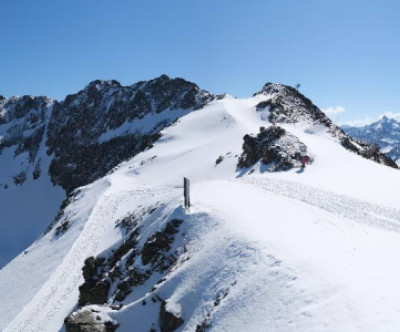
(285, 207)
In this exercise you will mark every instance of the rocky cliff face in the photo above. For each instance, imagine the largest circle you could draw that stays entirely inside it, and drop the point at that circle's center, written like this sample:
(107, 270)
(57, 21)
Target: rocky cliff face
(22, 126)
(90, 132)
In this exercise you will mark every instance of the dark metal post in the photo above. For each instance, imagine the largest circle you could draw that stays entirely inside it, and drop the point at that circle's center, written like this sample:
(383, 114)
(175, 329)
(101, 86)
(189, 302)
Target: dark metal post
(186, 192)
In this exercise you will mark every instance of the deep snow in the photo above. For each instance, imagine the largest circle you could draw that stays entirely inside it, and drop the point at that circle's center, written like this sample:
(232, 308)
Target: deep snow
(303, 250)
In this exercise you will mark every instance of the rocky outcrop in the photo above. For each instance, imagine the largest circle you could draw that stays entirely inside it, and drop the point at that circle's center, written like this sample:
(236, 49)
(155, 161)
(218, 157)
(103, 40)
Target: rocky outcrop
(367, 151)
(90, 140)
(273, 146)
(95, 288)
(22, 121)
(285, 104)
(384, 132)
(110, 278)
(89, 320)
(92, 131)
(160, 243)
(169, 321)
(22, 128)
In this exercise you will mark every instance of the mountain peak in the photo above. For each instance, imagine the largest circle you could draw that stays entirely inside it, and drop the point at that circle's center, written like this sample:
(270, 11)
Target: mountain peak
(100, 84)
(272, 88)
(285, 104)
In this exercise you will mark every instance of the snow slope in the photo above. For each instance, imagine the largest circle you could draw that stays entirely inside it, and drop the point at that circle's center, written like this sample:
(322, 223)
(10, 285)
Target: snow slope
(303, 250)
(25, 210)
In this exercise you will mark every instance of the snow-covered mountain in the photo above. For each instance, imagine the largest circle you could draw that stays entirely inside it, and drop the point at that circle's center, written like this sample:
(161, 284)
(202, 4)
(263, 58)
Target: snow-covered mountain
(48, 147)
(384, 132)
(265, 246)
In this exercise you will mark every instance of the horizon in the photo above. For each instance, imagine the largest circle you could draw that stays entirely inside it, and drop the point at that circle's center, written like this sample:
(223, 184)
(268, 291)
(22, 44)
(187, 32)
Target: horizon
(336, 51)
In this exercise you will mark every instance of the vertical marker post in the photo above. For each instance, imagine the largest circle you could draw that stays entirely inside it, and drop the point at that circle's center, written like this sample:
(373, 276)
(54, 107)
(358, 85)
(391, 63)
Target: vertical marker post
(186, 192)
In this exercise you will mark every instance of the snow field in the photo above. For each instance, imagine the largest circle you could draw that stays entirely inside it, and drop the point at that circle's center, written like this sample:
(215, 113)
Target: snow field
(311, 250)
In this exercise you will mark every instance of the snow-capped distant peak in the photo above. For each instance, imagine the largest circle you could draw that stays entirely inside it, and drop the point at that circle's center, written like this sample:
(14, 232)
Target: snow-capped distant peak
(385, 132)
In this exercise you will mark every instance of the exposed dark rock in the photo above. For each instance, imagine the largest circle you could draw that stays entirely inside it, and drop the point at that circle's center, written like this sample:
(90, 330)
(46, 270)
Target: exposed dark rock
(94, 292)
(20, 178)
(24, 119)
(202, 327)
(37, 170)
(169, 322)
(90, 268)
(87, 320)
(129, 244)
(80, 155)
(31, 144)
(367, 151)
(60, 230)
(84, 163)
(273, 145)
(290, 106)
(159, 244)
(287, 105)
(72, 129)
(118, 271)
(61, 211)
(127, 223)
(96, 287)
(154, 251)
(219, 160)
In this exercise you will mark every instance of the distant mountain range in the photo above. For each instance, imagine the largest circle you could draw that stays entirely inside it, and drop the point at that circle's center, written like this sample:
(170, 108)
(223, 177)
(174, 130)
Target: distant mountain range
(385, 133)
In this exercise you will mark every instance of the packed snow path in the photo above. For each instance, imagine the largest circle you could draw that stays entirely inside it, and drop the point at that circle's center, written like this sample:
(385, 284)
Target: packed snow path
(343, 206)
(315, 234)
(341, 252)
(39, 312)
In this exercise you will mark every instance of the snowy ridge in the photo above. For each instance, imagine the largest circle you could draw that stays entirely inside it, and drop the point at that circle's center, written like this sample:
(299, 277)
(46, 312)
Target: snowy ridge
(384, 132)
(304, 250)
(48, 147)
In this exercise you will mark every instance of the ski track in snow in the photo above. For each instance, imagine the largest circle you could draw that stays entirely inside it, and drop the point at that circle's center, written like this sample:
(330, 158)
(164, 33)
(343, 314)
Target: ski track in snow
(51, 298)
(350, 208)
(47, 304)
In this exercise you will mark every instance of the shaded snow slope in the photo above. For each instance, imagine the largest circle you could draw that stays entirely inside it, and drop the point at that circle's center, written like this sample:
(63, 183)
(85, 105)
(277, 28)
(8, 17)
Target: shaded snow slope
(26, 208)
(46, 145)
(302, 250)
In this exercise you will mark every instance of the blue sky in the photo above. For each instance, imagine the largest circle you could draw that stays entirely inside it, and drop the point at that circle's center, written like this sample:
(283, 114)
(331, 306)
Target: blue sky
(344, 53)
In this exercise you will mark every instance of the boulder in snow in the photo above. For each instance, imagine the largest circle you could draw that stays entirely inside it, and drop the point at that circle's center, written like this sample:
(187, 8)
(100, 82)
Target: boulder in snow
(273, 145)
(88, 320)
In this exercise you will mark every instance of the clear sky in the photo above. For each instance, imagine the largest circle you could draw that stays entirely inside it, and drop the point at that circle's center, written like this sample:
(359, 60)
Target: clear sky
(344, 53)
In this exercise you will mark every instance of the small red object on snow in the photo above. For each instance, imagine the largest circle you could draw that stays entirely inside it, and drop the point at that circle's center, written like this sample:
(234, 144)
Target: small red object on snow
(303, 161)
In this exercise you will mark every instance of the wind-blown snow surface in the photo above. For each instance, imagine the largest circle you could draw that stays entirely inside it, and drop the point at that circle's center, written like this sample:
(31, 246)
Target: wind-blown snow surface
(303, 250)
